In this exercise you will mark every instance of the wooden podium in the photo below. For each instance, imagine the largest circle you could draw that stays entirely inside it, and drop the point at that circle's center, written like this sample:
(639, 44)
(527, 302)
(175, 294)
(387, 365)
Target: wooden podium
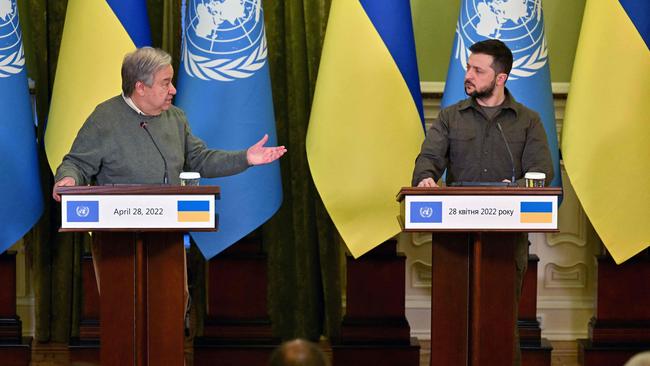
(374, 330)
(473, 274)
(139, 231)
(15, 350)
(620, 327)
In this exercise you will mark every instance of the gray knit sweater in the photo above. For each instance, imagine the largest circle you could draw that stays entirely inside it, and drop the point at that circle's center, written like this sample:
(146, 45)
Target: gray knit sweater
(112, 148)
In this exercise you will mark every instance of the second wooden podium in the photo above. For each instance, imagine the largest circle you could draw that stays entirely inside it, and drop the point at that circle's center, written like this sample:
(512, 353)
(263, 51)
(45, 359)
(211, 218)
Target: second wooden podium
(473, 272)
(138, 231)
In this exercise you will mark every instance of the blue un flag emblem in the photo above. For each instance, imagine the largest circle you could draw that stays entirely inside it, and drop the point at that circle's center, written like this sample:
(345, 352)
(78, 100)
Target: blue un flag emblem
(224, 39)
(83, 211)
(426, 212)
(518, 23)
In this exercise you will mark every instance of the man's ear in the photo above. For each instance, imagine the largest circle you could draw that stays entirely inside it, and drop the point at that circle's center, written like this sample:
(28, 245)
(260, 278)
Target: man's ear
(139, 88)
(501, 78)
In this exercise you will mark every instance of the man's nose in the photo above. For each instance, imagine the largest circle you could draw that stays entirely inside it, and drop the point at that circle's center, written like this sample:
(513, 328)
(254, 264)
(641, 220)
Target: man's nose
(172, 89)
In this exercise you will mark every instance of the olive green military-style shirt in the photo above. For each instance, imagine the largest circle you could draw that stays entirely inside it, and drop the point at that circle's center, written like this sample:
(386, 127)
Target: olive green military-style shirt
(466, 142)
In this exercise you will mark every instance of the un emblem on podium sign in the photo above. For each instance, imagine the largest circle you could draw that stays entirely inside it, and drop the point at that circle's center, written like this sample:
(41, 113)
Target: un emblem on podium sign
(12, 56)
(82, 211)
(224, 39)
(426, 211)
(517, 23)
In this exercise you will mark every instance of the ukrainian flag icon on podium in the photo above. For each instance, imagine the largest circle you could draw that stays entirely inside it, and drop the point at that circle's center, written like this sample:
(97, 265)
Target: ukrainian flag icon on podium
(536, 212)
(193, 211)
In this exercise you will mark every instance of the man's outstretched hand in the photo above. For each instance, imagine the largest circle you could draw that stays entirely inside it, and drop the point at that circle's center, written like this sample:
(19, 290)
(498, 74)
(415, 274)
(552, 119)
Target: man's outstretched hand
(259, 154)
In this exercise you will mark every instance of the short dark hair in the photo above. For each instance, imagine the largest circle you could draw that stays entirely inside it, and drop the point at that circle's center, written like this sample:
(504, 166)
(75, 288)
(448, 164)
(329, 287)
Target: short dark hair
(501, 54)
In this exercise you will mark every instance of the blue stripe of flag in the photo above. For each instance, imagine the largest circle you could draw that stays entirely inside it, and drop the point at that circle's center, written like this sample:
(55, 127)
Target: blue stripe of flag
(392, 20)
(639, 13)
(536, 207)
(134, 19)
(193, 206)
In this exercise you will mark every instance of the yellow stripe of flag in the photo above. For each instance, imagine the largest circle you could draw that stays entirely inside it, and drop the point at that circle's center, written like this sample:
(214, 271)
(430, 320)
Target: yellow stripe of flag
(93, 45)
(605, 135)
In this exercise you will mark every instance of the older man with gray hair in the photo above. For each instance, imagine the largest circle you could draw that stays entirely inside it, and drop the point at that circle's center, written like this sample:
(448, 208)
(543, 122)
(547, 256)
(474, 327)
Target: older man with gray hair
(139, 137)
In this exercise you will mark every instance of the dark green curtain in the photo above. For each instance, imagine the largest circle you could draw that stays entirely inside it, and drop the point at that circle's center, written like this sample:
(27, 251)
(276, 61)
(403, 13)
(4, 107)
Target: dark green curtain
(55, 258)
(304, 250)
(305, 254)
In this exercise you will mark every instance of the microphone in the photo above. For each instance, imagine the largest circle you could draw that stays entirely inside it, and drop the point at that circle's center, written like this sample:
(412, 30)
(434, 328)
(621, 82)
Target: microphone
(144, 126)
(512, 161)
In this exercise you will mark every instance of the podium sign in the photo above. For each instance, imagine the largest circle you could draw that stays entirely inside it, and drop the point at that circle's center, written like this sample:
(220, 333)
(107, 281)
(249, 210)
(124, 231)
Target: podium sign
(484, 213)
(138, 208)
(137, 211)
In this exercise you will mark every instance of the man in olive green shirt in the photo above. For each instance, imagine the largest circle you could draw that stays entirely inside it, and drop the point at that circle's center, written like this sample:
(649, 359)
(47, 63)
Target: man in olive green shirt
(466, 139)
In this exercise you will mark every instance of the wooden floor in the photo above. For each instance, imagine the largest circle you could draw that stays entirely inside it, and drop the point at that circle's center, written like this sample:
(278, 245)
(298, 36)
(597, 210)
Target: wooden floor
(564, 354)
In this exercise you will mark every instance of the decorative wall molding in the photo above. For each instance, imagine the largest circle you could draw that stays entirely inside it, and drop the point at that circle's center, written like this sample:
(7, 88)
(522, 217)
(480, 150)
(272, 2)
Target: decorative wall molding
(418, 313)
(420, 272)
(432, 87)
(574, 234)
(568, 277)
(418, 302)
(564, 335)
(420, 239)
(566, 303)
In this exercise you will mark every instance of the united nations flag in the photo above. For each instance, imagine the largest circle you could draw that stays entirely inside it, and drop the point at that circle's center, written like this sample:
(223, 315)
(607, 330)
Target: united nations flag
(225, 89)
(520, 25)
(22, 200)
(224, 40)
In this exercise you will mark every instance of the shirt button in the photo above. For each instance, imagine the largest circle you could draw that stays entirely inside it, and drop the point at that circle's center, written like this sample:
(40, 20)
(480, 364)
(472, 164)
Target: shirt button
(484, 170)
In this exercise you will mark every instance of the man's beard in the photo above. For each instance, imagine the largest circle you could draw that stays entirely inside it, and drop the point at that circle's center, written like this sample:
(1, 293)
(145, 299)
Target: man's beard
(485, 93)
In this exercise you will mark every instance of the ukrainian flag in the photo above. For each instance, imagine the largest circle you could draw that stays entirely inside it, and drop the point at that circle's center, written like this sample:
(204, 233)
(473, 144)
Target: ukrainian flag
(536, 212)
(365, 128)
(22, 201)
(193, 211)
(605, 134)
(96, 36)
